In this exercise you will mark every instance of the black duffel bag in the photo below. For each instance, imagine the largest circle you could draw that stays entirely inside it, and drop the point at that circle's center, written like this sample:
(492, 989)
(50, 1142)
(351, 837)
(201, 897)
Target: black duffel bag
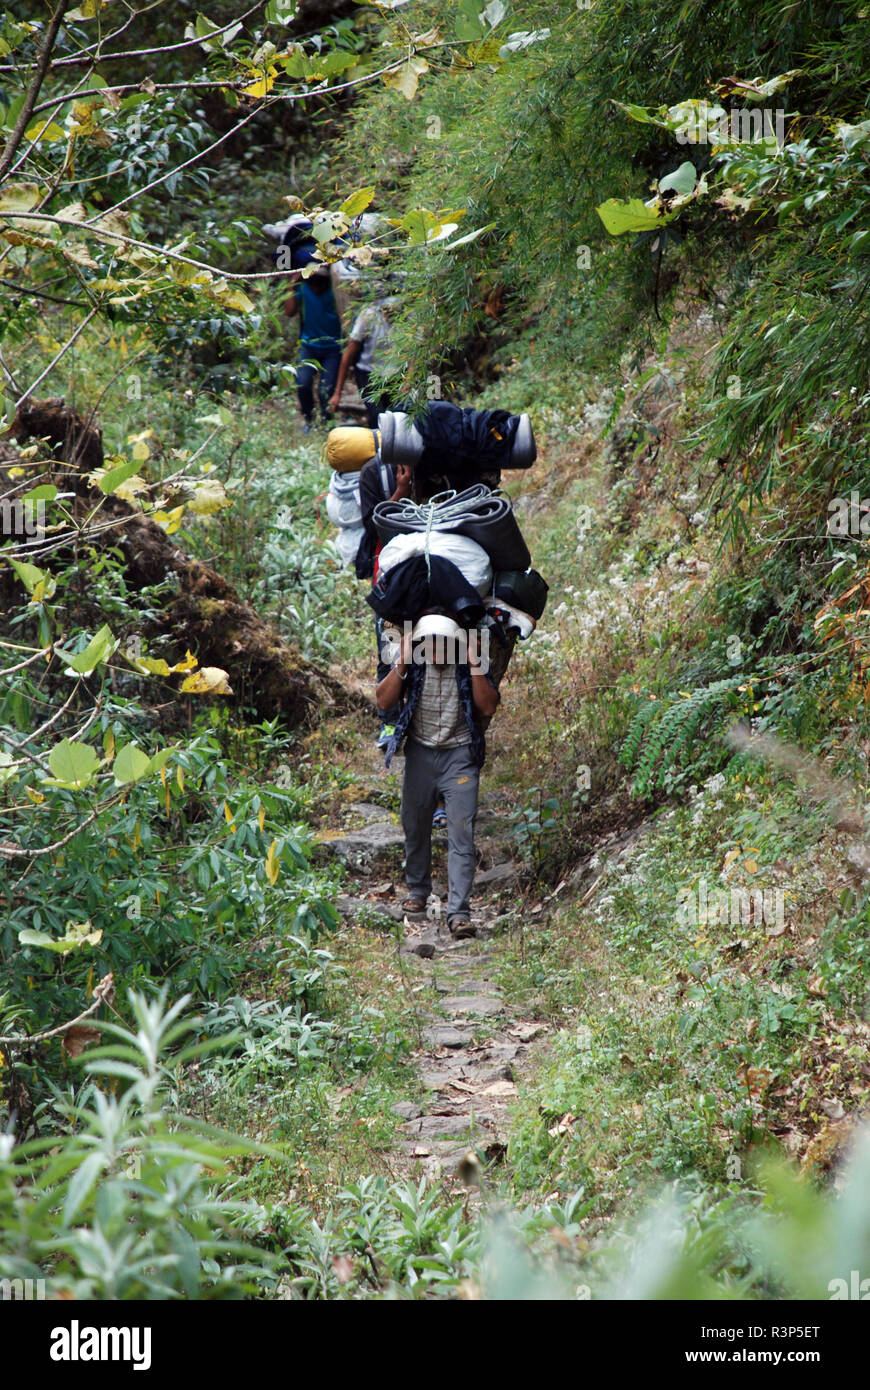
(522, 589)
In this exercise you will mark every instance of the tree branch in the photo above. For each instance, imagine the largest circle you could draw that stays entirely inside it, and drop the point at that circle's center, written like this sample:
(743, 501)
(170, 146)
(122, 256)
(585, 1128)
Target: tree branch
(102, 991)
(30, 100)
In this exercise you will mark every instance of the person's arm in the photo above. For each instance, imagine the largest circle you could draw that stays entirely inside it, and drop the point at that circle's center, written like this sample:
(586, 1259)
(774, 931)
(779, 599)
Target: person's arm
(388, 692)
(483, 692)
(291, 303)
(403, 482)
(348, 357)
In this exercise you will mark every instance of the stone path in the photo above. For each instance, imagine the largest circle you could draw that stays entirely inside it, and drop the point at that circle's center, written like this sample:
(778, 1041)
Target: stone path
(474, 1048)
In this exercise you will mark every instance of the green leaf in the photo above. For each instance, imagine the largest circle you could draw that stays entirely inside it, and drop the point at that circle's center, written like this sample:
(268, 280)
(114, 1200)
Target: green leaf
(160, 759)
(77, 935)
(38, 583)
(73, 764)
(633, 216)
(130, 764)
(681, 181)
(114, 477)
(46, 492)
(99, 649)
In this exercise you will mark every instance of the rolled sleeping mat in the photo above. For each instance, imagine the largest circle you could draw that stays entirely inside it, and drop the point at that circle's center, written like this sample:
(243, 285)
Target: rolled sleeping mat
(478, 512)
(524, 451)
(348, 447)
(524, 590)
(401, 441)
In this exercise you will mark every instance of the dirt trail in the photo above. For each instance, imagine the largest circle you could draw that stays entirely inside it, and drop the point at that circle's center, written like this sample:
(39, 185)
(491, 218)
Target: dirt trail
(473, 1047)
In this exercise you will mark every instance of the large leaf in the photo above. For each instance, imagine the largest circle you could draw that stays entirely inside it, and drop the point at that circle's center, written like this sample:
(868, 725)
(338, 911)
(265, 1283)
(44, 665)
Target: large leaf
(111, 480)
(72, 764)
(634, 216)
(209, 680)
(357, 202)
(38, 583)
(681, 181)
(99, 649)
(208, 496)
(130, 764)
(77, 935)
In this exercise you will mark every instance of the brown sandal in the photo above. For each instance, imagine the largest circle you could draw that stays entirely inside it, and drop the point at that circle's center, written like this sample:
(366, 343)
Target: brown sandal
(460, 927)
(413, 907)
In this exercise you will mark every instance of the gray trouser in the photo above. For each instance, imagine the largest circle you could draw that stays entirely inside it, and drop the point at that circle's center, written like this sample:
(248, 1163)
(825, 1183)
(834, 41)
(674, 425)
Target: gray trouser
(453, 774)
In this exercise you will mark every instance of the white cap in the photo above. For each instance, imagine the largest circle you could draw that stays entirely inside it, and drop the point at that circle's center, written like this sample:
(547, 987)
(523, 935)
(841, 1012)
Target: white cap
(436, 625)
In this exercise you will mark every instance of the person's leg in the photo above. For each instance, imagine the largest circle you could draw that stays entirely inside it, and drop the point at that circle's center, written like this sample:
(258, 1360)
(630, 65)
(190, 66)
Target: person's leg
(329, 359)
(305, 389)
(458, 784)
(362, 378)
(419, 792)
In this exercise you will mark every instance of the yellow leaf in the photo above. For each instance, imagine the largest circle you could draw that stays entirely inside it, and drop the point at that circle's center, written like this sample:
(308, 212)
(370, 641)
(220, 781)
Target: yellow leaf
(264, 83)
(137, 838)
(208, 496)
(209, 680)
(261, 817)
(272, 864)
(188, 664)
(44, 130)
(170, 521)
(228, 815)
(35, 797)
(405, 79)
(179, 777)
(130, 488)
(233, 298)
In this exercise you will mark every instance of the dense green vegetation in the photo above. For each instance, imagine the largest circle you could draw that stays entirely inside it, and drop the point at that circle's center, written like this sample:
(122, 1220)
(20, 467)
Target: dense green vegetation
(686, 319)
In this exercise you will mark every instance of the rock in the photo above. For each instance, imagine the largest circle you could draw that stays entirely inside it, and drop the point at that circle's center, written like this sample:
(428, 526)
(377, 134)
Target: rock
(352, 907)
(424, 949)
(475, 1005)
(366, 810)
(406, 1110)
(373, 842)
(499, 873)
(442, 1035)
(494, 1074)
(440, 1126)
(501, 1054)
(438, 1080)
